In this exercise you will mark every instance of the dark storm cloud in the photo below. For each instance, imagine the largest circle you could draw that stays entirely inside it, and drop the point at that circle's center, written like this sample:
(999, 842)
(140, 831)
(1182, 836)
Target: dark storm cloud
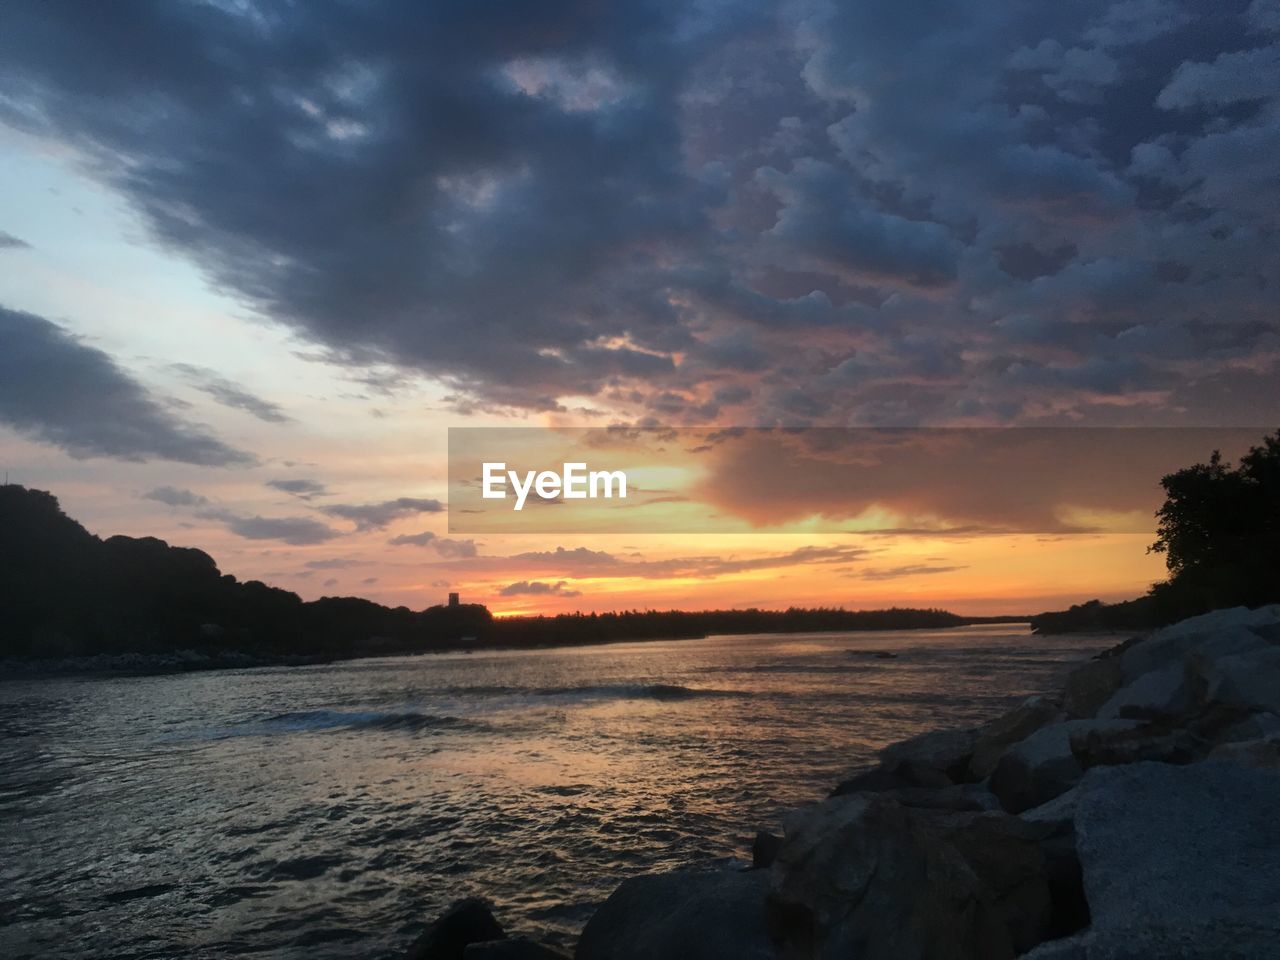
(574, 564)
(536, 588)
(850, 212)
(373, 516)
(230, 395)
(9, 242)
(339, 563)
(301, 488)
(456, 549)
(413, 539)
(571, 558)
(175, 497)
(59, 390)
(905, 570)
(296, 531)
(444, 546)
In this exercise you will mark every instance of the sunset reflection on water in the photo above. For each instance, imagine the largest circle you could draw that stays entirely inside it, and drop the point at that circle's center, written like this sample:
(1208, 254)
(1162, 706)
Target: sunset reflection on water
(329, 811)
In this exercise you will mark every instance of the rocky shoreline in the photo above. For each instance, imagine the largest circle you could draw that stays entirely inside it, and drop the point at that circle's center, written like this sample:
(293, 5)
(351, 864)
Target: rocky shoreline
(1131, 816)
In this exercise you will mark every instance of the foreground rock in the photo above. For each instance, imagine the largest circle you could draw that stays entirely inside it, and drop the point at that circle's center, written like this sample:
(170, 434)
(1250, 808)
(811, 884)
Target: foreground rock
(1044, 765)
(1007, 855)
(1178, 862)
(464, 923)
(1223, 817)
(518, 948)
(995, 738)
(1090, 685)
(687, 914)
(1237, 625)
(468, 930)
(932, 759)
(858, 877)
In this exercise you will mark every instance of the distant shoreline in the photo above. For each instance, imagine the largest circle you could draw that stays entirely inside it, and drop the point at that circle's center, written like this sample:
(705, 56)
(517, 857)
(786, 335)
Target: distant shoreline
(181, 661)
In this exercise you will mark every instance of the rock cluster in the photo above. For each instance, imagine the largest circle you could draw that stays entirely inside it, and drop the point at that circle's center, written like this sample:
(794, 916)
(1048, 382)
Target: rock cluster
(469, 931)
(1130, 816)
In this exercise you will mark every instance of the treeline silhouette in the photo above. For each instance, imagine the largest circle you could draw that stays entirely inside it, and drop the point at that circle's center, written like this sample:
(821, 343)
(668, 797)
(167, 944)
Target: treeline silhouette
(65, 593)
(1219, 530)
(655, 624)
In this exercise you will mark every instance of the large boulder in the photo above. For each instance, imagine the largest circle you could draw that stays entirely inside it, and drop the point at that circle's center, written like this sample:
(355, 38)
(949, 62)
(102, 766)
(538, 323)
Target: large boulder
(1252, 726)
(1004, 852)
(1264, 752)
(907, 790)
(1117, 743)
(996, 737)
(1229, 642)
(1060, 810)
(903, 775)
(466, 922)
(1166, 940)
(764, 849)
(945, 752)
(1250, 680)
(1186, 853)
(517, 948)
(1172, 642)
(697, 915)
(858, 877)
(1041, 767)
(959, 797)
(1157, 694)
(1089, 686)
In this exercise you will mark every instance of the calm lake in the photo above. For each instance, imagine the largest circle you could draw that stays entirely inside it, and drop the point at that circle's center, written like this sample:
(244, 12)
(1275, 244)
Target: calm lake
(330, 811)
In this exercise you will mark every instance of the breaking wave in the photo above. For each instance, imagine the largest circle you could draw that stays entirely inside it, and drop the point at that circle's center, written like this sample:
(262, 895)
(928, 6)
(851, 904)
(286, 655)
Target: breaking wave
(308, 721)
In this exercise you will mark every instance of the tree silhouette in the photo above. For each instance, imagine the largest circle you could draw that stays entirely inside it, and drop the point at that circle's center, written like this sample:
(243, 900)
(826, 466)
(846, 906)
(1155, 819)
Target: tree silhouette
(1219, 529)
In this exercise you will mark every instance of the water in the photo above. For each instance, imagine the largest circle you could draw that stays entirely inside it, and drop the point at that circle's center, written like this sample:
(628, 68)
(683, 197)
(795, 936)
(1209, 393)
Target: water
(330, 811)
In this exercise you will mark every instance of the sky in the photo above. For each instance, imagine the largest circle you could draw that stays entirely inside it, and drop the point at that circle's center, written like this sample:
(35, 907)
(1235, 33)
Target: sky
(257, 258)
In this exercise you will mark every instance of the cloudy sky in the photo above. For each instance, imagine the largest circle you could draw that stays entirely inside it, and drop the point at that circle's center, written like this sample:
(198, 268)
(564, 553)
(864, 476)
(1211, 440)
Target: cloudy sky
(256, 257)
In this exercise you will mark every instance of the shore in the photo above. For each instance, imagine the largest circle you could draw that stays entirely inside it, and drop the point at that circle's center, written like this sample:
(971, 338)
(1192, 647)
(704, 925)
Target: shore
(188, 660)
(1128, 815)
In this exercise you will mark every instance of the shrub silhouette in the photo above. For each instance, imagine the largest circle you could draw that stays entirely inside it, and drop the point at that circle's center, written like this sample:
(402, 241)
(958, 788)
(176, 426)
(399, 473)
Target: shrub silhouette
(1219, 529)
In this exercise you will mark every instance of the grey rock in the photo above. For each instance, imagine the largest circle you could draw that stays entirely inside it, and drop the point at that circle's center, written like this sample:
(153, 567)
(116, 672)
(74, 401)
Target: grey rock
(1066, 948)
(1005, 854)
(1216, 621)
(1061, 809)
(1179, 846)
(1214, 940)
(1225, 643)
(1166, 645)
(764, 849)
(466, 922)
(972, 797)
(1158, 694)
(871, 780)
(858, 877)
(1264, 752)
(996, 737)
(1254, 726)
(688, 914)
(944, 751)
(1115, 743)
(1041, 767)
(517, 948)
(1089, 686)
(1247, 680)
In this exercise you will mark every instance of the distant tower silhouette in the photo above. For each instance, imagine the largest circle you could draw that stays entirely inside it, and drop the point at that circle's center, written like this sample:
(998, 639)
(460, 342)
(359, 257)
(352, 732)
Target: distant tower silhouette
(453, 600)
